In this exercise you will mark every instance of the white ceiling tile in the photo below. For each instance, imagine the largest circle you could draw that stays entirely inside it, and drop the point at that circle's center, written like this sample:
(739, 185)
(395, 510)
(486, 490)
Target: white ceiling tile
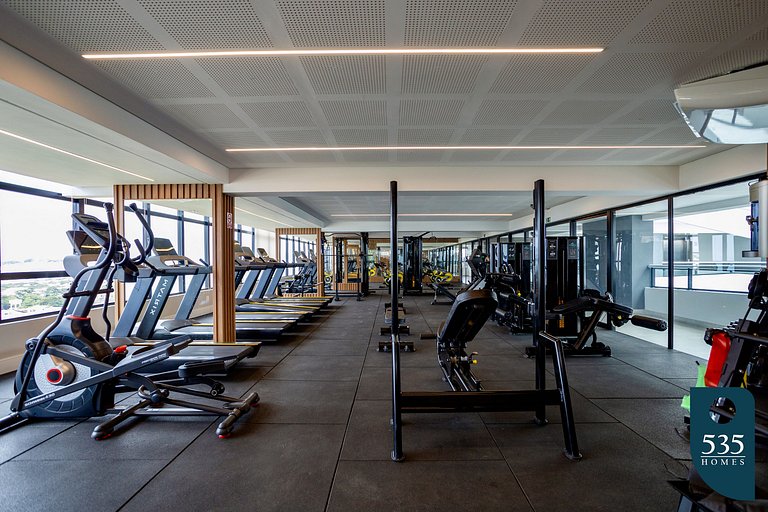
(651, 112)
(582, 112)
(279, 114)
(488, 136)
(334, 23)
(636, 72)
(235, 139)
(464, 23)
(349, 74)
(551, 136)
(355, 112)
(580, 22)
(539, 74)
(616, 136)
(701, 21)
(156, 79)
(88, 25)
(210, 24)
(297, 138)
(204, 116)
(250, 76)
(429, 112)
(440, 74)
(424, 136)
(508, 112)
(360, 137)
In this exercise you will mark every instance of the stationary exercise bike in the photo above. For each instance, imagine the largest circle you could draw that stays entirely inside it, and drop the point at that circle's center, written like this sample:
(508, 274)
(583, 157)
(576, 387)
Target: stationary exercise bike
(70, 371)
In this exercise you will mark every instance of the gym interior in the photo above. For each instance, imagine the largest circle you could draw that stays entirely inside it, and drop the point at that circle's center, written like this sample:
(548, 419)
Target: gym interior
(347, 255)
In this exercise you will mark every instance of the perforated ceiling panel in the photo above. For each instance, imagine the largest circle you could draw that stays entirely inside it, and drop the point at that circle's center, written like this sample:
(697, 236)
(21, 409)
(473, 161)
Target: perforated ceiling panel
(508, 112)
(235, 139)
(580, 22)
(537, 74)
(423, 136)
(210, 24)
(651, 112)
(612, 136)
(551, 136)
(156, 79)
(334, 23)
(289, 138)
(355, 112)
(582, 112)
(440, 74)
(675, 135)
(429, 112)
(636, 72)
(486, 136)
(346, 74)
(279, 114)
(623, 95)
(300, 157)
(700, 21)
(360, 137)
(87, 25)
(205, 116)
(440, 23)
(261, 76)
(729, 61)
(366, 156)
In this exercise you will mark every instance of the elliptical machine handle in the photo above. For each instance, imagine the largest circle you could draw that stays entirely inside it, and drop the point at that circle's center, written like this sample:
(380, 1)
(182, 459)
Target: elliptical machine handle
(144, 252)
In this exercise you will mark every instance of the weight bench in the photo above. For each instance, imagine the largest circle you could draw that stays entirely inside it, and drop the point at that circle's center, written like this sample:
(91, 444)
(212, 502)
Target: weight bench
(593, 302)
(384, 346)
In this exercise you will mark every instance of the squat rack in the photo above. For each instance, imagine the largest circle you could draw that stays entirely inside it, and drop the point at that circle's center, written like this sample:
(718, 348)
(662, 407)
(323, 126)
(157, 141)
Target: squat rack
(485, 401)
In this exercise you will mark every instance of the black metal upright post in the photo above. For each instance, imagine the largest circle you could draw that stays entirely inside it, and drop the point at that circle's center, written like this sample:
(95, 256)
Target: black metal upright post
(671, 273)
(538, 261)
(397, 421)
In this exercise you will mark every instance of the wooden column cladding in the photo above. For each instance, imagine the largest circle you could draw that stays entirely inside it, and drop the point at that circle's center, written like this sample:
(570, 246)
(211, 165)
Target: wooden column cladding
(318, 233)
(222, 246)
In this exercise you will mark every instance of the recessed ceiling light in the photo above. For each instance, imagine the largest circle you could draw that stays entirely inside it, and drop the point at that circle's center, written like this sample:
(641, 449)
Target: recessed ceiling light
(335, 51)
(261, 216)
(424, 215)
(454, 148)
(74, 155)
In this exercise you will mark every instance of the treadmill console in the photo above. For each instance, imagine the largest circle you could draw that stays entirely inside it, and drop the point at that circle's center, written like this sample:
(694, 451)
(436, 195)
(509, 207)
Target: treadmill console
(95, 228)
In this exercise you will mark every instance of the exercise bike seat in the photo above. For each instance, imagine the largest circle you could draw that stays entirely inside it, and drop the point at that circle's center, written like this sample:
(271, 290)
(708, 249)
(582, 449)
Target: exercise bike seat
(467, 316)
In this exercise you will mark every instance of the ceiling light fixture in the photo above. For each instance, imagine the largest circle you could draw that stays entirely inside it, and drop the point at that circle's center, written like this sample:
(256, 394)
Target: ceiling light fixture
(335, 51)
(424, 215)
(74, 155)
(454, 148)
(261, 216)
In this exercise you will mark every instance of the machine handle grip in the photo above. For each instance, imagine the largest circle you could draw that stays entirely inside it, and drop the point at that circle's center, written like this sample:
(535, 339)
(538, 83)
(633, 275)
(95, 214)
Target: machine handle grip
(647, 322)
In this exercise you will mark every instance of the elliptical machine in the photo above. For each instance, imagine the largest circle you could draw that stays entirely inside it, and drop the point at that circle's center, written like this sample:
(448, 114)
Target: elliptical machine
(70, 371)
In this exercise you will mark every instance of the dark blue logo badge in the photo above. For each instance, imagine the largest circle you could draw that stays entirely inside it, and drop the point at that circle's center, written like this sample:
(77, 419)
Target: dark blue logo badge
(723, 445)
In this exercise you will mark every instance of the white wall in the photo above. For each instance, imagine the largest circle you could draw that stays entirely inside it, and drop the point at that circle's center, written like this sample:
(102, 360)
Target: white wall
(15, 334)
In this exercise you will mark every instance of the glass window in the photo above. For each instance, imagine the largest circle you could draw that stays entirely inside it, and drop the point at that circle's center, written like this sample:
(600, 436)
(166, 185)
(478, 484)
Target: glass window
(595, 241)
(166, 228)
(24, 297)
(33, 232)
(640, 269)
(710, 272)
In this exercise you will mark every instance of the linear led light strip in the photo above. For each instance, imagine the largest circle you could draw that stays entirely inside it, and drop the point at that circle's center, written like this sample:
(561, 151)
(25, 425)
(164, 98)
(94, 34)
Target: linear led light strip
(446, 148)
(261, 216)
(424, 215)
(74, 155)
(337, 51)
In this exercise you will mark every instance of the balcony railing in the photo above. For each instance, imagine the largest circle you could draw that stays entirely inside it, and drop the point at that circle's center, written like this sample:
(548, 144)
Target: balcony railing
(724, 276)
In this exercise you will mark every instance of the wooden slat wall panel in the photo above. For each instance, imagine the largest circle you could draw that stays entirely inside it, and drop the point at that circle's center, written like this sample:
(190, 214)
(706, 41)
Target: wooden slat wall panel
(223, 266)
(222, 246)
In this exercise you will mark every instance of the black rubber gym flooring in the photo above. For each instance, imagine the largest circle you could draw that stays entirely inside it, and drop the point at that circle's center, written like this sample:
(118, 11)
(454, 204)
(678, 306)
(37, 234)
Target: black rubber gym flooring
(320, 438)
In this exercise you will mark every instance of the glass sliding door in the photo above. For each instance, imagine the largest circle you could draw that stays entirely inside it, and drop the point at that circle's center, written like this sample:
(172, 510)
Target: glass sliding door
(640, 265)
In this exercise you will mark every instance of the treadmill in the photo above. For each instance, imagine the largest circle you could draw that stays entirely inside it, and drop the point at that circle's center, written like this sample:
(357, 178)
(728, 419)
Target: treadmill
(216, 358)
(268, 292)
(170, 266)
(248, 268)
